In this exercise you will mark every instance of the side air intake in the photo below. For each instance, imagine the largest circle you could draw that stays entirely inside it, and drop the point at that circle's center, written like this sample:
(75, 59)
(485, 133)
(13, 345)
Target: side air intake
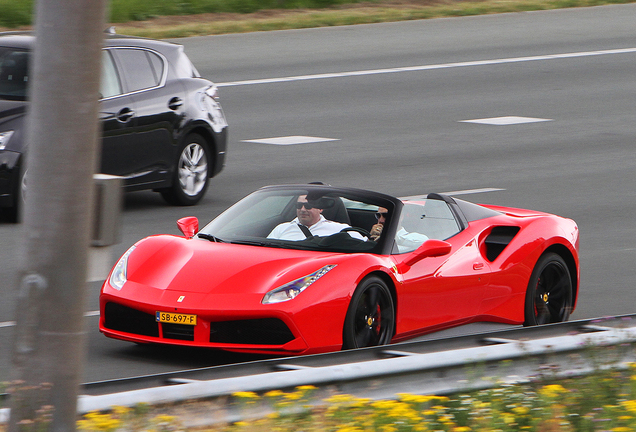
(498, 239)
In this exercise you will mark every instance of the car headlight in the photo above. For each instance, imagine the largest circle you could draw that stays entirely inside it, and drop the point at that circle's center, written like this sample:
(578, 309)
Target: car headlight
(118, 277)
(4, 138)
(292, 289)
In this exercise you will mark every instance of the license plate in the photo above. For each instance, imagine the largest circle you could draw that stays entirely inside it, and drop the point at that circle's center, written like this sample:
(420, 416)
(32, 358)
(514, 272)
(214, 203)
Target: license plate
(176, 318)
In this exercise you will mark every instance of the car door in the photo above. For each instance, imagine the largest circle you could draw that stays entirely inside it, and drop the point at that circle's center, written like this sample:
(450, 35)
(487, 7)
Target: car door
(158, 112)
(119, 123)
(437, 291)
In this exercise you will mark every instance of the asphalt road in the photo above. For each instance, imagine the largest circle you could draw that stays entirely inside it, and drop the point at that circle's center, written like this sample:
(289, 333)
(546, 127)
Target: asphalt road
(404, 131)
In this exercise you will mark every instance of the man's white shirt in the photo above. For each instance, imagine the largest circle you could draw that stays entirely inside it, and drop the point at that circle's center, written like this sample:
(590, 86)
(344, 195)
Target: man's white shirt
(292, 231)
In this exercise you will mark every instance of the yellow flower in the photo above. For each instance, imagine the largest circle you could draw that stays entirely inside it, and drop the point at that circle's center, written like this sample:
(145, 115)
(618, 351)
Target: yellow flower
(508, 419)
(164, 418)
(407, 397)
(521, 410)
(360, 402)
(552, 390)
(305, 388)
(340, 398)
(120, 410)
(246, 395)
(293, 396)
(349, 429)
(630, 405)
(274, 393)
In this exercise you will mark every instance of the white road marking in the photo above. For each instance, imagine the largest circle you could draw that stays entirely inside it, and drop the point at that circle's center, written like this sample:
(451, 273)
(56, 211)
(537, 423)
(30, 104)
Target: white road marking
(290, 140)
(430, 67)
(13, 323)
(505, 121)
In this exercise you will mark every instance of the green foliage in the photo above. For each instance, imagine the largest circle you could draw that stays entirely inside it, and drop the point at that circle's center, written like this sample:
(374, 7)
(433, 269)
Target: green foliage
(136, 10)
(319, 13)
(15, 13)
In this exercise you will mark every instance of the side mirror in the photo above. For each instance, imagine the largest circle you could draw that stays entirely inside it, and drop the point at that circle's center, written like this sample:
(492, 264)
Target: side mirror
(189, 226)
(430, 248)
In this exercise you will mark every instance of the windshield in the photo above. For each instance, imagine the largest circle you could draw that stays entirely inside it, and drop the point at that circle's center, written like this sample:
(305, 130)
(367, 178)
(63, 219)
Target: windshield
(14, 73)
(296, 218)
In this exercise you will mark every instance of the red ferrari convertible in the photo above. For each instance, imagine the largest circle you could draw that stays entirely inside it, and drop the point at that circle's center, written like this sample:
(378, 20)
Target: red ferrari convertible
(300, 269)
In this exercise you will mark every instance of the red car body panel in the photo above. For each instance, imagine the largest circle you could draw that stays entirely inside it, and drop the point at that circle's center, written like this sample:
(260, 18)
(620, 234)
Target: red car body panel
(223, 282)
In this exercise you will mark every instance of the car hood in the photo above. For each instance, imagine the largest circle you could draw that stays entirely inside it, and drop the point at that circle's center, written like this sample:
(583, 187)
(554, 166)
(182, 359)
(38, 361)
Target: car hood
(192, 265)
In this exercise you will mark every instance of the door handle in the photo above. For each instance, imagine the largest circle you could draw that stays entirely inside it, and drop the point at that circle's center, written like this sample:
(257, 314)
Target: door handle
(125, 114)
(175, 103)
(478, 266)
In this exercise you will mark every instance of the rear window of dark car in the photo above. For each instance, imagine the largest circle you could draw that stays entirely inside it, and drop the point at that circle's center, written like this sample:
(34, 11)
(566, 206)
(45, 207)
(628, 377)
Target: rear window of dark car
(144, 69)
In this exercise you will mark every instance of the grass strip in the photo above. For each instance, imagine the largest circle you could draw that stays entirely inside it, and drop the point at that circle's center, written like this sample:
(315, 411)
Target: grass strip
(174, 26)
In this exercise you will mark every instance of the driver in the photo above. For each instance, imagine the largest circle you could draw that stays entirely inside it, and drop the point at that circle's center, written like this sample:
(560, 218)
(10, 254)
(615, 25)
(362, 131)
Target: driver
(309, 222)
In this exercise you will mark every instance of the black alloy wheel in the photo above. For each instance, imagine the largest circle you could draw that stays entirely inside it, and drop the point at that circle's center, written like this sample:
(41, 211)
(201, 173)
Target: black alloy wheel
(370, 319)
(192, 173)
(549, 294)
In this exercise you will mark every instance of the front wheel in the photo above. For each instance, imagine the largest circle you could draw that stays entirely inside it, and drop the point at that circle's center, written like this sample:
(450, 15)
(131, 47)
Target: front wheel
(191, 173)
(549, 294)
(370, 319)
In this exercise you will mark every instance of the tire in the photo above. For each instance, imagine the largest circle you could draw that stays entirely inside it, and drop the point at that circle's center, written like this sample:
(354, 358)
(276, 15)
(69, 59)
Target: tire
(549, 294)
(192, 172)
(370, 319)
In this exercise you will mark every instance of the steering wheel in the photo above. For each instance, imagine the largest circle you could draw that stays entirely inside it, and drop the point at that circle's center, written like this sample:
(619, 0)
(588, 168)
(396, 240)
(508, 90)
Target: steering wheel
(362, 231)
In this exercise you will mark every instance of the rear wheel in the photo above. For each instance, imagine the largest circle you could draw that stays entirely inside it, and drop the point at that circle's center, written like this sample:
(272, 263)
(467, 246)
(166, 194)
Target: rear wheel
(191, 174)
(370, 319)
(549, 294)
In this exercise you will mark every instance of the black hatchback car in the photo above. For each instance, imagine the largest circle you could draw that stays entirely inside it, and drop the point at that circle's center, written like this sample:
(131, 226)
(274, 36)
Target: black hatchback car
(163, 127)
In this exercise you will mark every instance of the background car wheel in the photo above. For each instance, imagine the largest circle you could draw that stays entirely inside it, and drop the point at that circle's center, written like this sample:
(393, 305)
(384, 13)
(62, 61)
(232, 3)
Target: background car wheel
(191, 174)
(370, 319)
(549, 294)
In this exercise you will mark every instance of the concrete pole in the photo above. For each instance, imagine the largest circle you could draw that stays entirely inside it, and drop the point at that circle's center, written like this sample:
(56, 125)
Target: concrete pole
(62, 134)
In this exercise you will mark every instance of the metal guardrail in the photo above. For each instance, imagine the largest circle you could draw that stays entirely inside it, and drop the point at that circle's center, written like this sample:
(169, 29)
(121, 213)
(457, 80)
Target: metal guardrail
(439, 366)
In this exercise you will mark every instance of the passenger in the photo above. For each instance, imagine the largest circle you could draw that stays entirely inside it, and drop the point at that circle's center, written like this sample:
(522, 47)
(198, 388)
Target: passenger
(376, 230)
(309, 222)
(405, 240)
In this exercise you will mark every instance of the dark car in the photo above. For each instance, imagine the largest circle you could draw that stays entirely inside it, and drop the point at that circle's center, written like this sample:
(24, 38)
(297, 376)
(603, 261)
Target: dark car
(163, 127)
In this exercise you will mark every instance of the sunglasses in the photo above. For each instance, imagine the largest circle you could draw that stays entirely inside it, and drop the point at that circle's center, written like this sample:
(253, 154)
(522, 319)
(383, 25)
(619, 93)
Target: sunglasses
(379, 215)
(307, 206)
